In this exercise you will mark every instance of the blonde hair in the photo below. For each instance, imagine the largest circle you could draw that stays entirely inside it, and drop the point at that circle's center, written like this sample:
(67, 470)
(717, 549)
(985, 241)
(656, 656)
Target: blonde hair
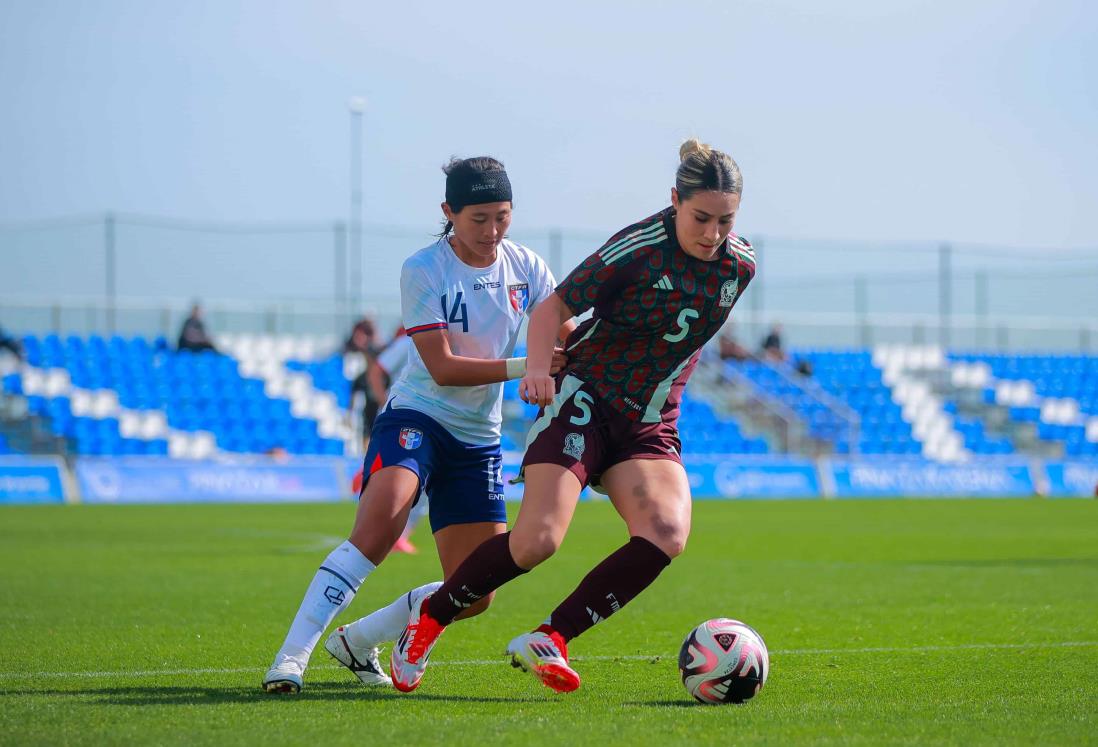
(702, 168)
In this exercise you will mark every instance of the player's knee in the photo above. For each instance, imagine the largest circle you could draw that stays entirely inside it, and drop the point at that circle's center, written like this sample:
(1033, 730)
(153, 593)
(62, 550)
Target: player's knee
(674, 546)
(668, 534)
(535, 548)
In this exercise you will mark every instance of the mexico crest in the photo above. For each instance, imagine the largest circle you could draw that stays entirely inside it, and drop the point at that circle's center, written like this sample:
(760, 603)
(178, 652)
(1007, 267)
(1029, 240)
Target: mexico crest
(728, 292)
(574, 445)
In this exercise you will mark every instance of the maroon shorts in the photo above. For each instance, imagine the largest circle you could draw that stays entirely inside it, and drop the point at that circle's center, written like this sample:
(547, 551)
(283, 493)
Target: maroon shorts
(585, 435)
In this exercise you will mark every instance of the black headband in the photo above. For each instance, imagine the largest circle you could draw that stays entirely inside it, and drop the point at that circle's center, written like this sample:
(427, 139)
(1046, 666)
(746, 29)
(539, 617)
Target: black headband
(477, 188)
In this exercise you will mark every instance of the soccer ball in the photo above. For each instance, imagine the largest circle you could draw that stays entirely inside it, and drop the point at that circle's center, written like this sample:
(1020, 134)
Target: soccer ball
(723, 661)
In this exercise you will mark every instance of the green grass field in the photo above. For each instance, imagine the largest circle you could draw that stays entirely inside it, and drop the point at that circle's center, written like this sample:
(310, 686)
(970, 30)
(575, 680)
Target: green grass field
(918, 622)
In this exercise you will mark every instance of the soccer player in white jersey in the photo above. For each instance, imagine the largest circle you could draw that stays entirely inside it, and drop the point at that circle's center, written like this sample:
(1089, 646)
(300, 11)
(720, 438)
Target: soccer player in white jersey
(463, 299)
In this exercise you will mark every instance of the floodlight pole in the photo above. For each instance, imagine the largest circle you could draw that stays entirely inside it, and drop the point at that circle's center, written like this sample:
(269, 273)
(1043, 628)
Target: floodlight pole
(356, 105)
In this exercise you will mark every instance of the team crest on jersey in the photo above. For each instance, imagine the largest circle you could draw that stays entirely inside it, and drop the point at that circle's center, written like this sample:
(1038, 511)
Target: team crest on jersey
(519, 293)
(574, 445)
(728, 292)
(411, 438)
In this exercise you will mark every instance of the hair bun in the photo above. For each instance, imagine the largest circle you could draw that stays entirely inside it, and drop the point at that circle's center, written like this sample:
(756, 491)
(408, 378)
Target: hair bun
(692, 146)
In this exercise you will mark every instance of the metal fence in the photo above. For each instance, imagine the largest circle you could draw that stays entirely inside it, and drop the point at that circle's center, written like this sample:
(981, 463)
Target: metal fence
(134, 274)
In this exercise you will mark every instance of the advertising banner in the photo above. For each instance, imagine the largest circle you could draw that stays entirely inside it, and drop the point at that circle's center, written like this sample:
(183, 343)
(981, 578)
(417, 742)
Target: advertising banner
(869, 478)
(753, 477)
(161, 480)
(1072, 479)
(25, 479)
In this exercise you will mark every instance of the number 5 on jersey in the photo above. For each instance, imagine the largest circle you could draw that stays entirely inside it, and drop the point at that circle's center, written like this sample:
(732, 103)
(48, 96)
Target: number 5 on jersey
(583, 402)
(456, 314)
(684, 325)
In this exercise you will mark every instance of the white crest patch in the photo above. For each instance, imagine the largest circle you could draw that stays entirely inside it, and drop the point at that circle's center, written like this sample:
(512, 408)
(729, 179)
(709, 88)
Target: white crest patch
(729, 291)
(574, 445)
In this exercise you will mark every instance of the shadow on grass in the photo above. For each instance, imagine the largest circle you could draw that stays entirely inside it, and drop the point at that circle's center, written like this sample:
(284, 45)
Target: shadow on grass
(197, 695)
(669, 703)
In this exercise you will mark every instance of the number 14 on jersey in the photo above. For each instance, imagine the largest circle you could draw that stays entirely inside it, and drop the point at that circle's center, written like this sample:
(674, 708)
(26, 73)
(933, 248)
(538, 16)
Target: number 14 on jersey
(456, 314)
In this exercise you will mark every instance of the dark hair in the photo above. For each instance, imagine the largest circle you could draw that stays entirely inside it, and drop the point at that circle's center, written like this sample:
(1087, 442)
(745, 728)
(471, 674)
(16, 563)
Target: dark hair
(702, 169)
(459, 167)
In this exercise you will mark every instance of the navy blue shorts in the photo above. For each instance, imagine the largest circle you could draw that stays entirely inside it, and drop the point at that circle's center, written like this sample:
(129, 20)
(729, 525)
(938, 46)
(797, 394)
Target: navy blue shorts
(463, 482)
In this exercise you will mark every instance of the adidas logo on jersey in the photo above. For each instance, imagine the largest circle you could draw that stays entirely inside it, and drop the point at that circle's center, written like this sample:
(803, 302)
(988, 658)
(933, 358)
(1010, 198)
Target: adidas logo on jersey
(663, 284)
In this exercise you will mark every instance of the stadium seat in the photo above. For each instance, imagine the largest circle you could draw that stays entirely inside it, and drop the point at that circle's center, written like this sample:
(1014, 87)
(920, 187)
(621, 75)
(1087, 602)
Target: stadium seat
(194, 391)
(1053, 394)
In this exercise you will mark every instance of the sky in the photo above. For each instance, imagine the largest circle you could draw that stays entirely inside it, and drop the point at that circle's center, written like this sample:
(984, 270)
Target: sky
(853, 120)
(909, 119)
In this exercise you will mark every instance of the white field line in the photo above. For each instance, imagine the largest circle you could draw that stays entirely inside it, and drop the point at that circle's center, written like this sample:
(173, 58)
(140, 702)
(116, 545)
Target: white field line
(633, 657)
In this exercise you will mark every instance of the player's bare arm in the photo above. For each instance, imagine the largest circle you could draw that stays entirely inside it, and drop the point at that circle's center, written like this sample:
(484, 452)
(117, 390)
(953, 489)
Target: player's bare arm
(546, 324)
(448, 369)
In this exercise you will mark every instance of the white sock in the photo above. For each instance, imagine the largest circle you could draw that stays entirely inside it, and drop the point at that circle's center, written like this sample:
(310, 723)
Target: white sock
(332, 589)
(387, 623)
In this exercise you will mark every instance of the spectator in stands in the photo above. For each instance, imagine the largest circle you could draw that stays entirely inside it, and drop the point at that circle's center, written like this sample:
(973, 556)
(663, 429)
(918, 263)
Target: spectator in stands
(362, 338)
(373, 389)
(7, 342)
(193, 335)
(363, 341)
(730, 348)
(771, 349)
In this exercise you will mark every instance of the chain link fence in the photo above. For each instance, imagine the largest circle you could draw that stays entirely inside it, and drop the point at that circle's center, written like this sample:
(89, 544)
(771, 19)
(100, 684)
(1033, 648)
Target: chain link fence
(139, 275)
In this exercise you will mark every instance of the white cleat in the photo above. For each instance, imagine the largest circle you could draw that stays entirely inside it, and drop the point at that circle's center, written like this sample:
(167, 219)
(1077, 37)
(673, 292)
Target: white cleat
(363, 662)
(284, 677)
(546, 658)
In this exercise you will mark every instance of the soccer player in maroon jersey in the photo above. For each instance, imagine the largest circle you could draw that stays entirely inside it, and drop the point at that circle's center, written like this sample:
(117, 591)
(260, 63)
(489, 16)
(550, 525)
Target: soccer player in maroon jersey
(660, 289)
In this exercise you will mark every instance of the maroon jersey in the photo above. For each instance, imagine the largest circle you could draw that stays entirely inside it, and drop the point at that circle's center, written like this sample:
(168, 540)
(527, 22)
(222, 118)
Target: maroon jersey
(655, 307)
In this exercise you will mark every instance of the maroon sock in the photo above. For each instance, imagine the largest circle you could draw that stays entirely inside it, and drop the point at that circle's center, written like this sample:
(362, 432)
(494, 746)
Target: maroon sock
(486, 569)
(609, 586)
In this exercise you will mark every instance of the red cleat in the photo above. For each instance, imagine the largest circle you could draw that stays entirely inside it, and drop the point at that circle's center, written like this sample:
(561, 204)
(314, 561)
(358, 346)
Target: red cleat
(544, 654)
(408, 660)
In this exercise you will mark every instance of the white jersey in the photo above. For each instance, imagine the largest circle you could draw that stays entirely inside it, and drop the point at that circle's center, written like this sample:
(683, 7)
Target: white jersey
(482, 310)
(394, 357)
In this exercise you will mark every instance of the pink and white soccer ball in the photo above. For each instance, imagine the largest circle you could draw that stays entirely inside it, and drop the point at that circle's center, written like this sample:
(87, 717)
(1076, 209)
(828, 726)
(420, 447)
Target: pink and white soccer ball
(723, 661)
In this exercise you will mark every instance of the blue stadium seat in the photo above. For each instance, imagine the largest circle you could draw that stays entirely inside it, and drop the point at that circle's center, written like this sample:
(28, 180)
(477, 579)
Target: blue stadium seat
(197, 391)
(205, 391)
